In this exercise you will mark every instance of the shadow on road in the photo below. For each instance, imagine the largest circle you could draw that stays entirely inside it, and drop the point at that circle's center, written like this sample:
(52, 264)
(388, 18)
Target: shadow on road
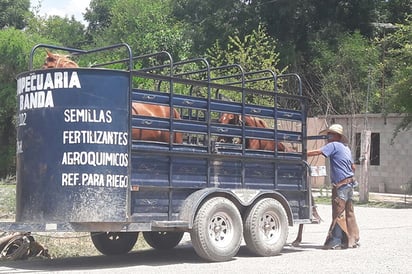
(152, 258)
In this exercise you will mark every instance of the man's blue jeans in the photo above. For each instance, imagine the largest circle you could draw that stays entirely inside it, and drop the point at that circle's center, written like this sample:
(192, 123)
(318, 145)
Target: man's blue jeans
(345, 192)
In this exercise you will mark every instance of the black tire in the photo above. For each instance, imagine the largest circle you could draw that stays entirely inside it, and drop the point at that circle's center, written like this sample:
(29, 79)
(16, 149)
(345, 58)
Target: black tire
(162, 240)
(114, 243)
(217, 230)
(266, 227)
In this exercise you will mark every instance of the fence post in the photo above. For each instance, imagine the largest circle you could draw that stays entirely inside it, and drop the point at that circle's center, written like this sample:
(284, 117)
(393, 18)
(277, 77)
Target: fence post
(364, 162)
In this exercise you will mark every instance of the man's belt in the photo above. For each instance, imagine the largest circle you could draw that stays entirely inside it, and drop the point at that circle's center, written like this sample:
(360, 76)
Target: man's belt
(343, 182)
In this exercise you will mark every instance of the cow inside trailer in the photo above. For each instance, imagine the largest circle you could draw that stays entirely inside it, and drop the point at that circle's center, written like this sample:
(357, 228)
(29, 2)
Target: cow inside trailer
(84, 163)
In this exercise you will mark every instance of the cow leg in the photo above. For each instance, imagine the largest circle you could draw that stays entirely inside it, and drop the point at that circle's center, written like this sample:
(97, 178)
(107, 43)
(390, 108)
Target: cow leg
(316, 217)
(298, 239)
(316, 220)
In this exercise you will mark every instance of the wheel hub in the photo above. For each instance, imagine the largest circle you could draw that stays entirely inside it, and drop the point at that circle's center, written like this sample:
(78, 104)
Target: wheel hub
(266, 227)
(269, 226)
(217, 229)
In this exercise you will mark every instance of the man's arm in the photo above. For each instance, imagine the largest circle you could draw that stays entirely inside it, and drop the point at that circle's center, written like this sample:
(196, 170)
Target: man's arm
(315, 152)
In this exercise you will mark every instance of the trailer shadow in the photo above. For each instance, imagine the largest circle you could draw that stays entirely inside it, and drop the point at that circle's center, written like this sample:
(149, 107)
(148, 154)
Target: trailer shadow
(302, 247)
(149, 258)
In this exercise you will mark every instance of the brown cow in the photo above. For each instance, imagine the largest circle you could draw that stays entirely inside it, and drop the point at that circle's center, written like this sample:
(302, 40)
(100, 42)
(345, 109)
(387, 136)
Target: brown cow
(251, 121)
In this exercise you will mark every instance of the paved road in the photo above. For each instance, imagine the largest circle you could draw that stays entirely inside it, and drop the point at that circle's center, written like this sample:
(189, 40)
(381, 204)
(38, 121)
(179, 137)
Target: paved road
(386, 238)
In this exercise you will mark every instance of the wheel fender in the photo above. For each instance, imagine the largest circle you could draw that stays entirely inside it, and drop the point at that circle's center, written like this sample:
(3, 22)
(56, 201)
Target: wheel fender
(249, 197)
(192, 202)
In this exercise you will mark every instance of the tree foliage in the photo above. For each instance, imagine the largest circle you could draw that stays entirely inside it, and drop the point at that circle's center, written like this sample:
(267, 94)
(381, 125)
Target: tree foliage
(99, 15)
(348, 74)
(254, 52)
(14, 60)
(65, 31)
(14, 13)
(394, 11)
(347, 64)
(146, 26)
(296, 23)
(400, 55)
(210, 21)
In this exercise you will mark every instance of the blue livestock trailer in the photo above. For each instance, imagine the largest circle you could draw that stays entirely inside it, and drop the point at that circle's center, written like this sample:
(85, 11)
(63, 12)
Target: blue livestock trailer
(80, 169)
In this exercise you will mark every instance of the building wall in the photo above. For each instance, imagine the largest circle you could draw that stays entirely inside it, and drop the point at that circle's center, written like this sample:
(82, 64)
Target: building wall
(393, 174)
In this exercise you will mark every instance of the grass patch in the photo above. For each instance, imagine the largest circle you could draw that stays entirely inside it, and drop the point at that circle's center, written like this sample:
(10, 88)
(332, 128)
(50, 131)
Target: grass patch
(7, 201)
(385, 204)
(372, 203)
(324, 200)
(75, 244)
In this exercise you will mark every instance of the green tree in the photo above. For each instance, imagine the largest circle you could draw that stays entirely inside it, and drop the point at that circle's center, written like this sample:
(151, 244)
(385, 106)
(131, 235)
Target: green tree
(13, 13)
(61, 31)
(14, 48)
(294, 23)
(347, 76)
(147, 26)
(99, 16)
(210, 21)
(254, 52)
(394, 11)
(400, 62)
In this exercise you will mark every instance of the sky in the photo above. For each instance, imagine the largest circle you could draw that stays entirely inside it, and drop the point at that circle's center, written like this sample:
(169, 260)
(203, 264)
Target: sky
(62, 8)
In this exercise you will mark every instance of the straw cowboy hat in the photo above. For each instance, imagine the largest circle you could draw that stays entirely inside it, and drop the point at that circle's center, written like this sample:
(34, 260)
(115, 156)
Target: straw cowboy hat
(335, 128)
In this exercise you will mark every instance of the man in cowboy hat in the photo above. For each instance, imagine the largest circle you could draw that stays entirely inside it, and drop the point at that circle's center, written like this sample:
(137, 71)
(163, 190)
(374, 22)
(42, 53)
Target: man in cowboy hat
(343, 231)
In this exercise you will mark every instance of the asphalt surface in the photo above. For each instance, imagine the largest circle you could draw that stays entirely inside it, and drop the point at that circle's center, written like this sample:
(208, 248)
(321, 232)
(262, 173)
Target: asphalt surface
(386, 237)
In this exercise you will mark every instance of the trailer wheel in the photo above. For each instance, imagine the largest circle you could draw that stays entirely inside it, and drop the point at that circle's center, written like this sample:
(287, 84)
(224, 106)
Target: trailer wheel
(162, 240)
(266, 227)
(114, 243)
(217, 230)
